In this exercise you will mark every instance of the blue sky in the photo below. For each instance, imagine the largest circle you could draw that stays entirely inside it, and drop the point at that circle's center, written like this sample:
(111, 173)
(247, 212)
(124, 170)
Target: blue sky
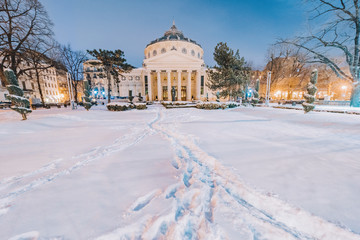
(248, 25)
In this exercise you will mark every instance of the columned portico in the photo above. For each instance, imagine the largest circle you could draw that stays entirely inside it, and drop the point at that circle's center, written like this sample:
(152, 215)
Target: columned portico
(174, 61)
(169, 84)
(188, 87)
(179, 85)
(198, 84)
(149, 85)
(159, 88)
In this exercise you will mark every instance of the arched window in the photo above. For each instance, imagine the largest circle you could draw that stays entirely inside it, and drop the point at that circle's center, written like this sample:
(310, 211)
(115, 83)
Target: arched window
(163, 50)
(154, 53)
(149, 55)
(193, 53)
(198, 55)
(184, 51)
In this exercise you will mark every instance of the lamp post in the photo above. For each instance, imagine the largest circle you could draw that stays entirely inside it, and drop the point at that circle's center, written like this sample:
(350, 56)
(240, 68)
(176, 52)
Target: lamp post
(268, 81)
(344, 88)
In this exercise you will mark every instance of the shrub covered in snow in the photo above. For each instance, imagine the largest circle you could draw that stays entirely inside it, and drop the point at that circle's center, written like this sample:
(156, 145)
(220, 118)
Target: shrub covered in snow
(216, 105)
(140, 106)
(119, 106)
(211, 105)
(179, 103)
(123, 106)
(311, 89)
(19, 103)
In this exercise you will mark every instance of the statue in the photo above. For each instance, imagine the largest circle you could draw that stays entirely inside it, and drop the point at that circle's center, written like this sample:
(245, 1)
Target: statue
(173, 92)
(130, 96)
(140, 97)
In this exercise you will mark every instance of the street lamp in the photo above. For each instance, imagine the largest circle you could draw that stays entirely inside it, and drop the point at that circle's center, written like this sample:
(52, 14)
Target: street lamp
(344, 88)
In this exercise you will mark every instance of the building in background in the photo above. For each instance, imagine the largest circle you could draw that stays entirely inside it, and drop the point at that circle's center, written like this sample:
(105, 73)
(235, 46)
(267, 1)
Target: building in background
(53, 86)
(172, 61)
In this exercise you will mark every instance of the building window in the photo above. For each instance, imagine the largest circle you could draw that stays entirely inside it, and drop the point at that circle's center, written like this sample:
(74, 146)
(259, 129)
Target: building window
(32, 86)
(94, 75)
(184, 51)
(163, 50)
(130, 78)
(154, 53)
(148, 55)
(198, 55)
(123, 78)
(137, 78)
(193, 53)
(24, 86)
(88, 69)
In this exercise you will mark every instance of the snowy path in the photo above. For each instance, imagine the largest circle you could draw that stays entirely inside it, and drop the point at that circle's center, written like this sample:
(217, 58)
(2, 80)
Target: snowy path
(150, 175)
(209, 201)
(13, 187)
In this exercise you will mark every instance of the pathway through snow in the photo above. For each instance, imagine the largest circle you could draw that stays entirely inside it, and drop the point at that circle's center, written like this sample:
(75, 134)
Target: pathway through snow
(209, 202)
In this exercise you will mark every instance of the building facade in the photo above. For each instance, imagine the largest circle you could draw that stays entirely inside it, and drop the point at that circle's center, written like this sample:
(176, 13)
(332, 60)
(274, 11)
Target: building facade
(49, 86)
(172, 61)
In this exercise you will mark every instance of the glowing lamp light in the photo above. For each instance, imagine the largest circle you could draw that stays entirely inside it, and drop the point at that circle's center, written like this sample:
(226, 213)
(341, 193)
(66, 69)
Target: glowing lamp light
(95, 92)
(344, 87)
(103, 93)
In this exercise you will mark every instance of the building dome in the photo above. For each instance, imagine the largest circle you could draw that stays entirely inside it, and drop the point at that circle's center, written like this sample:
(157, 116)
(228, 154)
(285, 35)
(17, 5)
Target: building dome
(173, 40)
(173, 34)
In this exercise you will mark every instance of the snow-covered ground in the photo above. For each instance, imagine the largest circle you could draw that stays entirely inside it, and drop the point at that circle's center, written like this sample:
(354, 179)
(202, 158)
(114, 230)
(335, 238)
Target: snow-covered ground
(244, 173)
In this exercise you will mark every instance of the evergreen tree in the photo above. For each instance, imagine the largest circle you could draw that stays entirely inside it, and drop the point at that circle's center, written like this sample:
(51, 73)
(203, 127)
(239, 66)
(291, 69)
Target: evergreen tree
(87, 100)
(311, 89)
(114, 64)
(16, 95)
(231, 74)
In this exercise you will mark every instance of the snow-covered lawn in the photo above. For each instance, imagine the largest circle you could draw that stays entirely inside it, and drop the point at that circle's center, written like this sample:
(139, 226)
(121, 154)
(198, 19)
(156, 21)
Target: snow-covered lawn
(244, 173)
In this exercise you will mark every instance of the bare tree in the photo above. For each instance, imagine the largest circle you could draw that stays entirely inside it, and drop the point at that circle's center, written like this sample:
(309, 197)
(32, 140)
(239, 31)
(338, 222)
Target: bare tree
(22, 24)
(339, 34)
(73, 62)
(287, 64)
(40, 56)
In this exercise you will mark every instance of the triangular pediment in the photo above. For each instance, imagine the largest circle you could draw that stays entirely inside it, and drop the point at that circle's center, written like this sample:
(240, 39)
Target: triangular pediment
(173, 57)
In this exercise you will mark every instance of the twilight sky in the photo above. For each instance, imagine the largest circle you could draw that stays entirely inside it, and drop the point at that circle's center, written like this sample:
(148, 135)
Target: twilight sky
(248, 25)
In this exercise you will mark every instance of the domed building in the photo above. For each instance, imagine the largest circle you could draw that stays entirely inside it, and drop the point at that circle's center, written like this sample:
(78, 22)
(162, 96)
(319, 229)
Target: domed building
(172, 61)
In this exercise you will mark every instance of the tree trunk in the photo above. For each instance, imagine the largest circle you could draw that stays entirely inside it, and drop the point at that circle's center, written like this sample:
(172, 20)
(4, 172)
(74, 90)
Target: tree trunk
(39, 86)
(2, 77)
(76, 91)
(355, 95)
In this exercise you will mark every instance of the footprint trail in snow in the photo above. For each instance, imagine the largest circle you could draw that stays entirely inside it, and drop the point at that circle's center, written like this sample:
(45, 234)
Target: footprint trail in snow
(209, 202)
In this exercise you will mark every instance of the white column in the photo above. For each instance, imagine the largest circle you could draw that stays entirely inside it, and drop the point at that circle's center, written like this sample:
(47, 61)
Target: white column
(169, 85)
(179, 85)
(198, 81)
(149, 85)
(159, 92)
(188, 87)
